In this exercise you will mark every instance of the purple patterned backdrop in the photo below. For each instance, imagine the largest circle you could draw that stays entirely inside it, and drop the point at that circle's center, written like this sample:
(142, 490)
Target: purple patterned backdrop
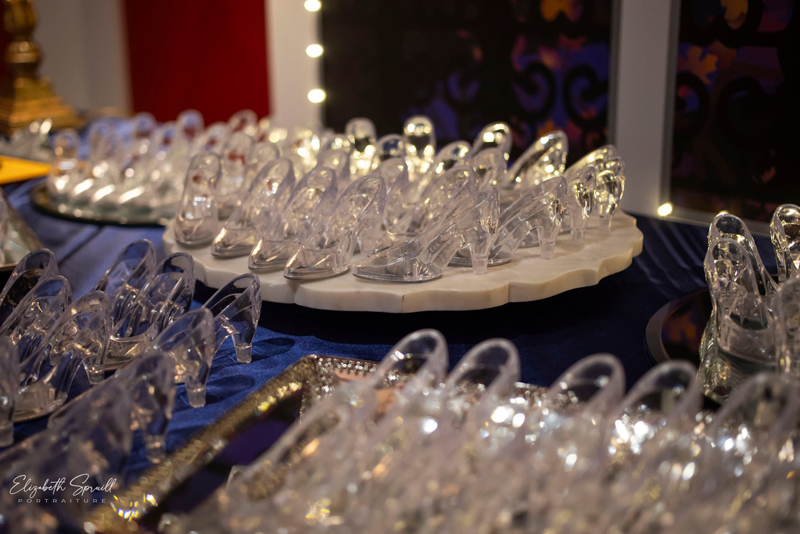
(538, 65)
(737, 108)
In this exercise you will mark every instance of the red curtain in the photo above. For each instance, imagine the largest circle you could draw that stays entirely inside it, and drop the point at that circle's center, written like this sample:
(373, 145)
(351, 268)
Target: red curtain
(208, 55)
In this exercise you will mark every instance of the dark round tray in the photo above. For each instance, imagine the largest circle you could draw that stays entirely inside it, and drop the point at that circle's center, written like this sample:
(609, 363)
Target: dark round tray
(42, 202)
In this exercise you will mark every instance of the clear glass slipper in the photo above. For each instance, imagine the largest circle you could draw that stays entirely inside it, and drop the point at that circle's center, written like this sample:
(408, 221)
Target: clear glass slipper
(313, 197)
(742, 321)
(336, 156)
(9, 389)
(33, 268)
(213, 139)
(787, 313)
(328, 247)
(419, 135)
(493, 135)
(388, 146)
(608, 190)
(78, 339)
(234, 162)
(362, 134)
(29, 322)
(448, 157)
(64, 173)
(166, 296)
(190, 342)
(541, 208)
(472, 222)
(143, 125)
(784, 230)
(236, 307)
(267, 196)
(127, 275)
(245, 121)
(198, 216)
(102, 174)
(732, 227)
(189, 126)
(259, 156)
(491, 166)
(546, 156)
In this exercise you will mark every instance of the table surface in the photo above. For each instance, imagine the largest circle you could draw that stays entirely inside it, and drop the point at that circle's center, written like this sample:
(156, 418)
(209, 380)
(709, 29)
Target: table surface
(551, 334)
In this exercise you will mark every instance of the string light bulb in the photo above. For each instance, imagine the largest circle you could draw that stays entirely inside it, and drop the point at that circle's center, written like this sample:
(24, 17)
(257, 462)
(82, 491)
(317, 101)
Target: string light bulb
(316, 95)
(665, 209)
(314, 50)
(312, 5)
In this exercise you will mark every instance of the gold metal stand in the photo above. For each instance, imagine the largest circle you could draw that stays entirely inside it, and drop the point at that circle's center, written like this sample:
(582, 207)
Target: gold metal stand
(25, 96)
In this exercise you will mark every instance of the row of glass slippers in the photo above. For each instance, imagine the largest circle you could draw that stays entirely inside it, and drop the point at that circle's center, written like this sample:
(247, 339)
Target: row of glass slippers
(755, 319)
(466, 453)
(468, 209)
(138, 306)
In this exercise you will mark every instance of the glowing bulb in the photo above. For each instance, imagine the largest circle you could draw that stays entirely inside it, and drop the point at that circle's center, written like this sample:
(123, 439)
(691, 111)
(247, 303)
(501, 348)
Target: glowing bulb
(312, 5)
(723, 212)
(314, 50)
(665, 209)
(316, 95)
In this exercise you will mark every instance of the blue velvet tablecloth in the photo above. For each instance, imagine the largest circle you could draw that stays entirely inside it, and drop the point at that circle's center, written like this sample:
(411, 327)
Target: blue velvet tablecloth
(551, 334)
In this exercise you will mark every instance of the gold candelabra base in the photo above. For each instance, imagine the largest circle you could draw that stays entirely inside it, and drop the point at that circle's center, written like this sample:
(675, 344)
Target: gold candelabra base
(24, 100)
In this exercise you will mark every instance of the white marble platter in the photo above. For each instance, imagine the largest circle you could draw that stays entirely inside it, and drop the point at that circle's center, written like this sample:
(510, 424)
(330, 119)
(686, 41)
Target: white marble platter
(527, 277)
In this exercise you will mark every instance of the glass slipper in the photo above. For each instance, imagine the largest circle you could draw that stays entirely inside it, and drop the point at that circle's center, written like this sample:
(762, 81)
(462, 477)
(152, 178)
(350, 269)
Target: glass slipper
(299, 146)
(78, 339)
(787, 313)
(361, 133)
(784, 231)
(236, 308)
(732, 227)
(127, 274)
(198, 219)
(189, 126)
(29, 322)
(493, 135)
(388, 146)
(328, 248)
(258, 157)
(190, 342)
(33, 268)
(233, 164)
(399, 190)
(337, 158)
(245, 121)
(213, 138)
(9, 389)
(491, 166)
(65, 172)
(419, 136)
(609, 189)
(143, 125)
(268, 194)
(472, 221)
(541, 208)
(313, 197)
(449, 156)
(166, 296)
(546, 156)
(102, 175)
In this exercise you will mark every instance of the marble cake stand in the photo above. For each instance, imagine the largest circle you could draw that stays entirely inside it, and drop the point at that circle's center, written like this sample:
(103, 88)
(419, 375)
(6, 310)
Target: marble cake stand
(527, 277)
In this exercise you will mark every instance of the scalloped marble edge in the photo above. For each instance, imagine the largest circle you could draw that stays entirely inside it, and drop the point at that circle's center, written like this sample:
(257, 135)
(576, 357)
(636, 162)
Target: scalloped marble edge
(527, 277)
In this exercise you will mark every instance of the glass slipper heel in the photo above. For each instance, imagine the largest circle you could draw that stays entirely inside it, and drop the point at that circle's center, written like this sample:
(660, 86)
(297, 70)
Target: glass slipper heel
(361, 133)
(233, 164)
(313, 197)
(166, 296)
(419, 135)
(541, 208)
(32, 269)
(9, 389)
(449, 156)
(493, 135)
(189, 341)
(784, 231)
(29, 322)
(198, 218)
(236, 308)
(328, 248)
(79, 338)
(268, 193)
(472, 221)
